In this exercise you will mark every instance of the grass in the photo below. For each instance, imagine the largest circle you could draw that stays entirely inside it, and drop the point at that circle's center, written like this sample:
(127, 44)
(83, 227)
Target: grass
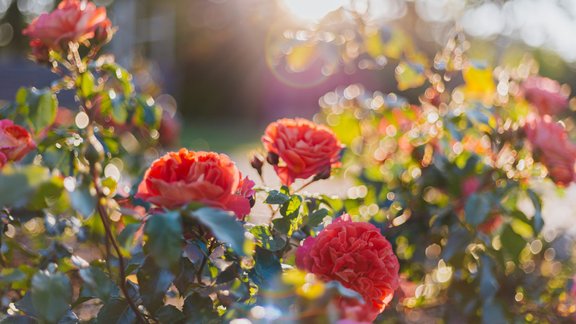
(220, 136)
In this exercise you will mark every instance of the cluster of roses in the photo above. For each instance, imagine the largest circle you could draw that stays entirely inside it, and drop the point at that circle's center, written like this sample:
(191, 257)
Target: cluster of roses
(549, 139)
(353, 253)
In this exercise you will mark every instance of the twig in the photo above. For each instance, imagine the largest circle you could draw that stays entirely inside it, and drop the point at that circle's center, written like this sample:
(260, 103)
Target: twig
(306, 185)
(111, 239)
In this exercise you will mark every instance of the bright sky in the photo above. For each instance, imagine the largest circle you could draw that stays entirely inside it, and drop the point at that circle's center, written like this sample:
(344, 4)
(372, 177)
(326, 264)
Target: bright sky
(538, 23)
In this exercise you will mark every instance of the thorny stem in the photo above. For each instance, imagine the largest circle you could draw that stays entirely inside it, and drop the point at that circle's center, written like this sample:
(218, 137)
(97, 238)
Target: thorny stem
(111, 240)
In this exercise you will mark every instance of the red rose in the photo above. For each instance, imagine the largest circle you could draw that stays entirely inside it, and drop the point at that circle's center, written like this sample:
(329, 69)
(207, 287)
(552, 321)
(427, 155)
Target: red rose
(545, 94)
(360, 258)
(72, 21)
(15, 142)
(179, 178)
(301, 149)
(557, 153)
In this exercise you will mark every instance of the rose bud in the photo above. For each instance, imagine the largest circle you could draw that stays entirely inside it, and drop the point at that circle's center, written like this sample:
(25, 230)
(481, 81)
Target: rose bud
(273, 158)
(257, 163)
(323, 174)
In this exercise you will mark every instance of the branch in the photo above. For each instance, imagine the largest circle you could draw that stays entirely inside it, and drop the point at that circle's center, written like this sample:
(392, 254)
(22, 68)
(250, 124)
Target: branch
(111, 239)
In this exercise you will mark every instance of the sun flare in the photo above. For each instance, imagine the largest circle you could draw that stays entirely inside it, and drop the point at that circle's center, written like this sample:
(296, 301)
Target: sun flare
(312, 10)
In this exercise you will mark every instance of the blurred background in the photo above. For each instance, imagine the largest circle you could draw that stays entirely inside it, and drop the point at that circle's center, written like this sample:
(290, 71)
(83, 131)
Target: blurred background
(216, 61)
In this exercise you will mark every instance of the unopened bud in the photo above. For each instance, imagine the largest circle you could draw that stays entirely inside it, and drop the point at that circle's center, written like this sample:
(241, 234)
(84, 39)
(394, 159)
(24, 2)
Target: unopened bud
(40, 52)
(103, 34)
(257, 162)
(324, 173)
(273, 158)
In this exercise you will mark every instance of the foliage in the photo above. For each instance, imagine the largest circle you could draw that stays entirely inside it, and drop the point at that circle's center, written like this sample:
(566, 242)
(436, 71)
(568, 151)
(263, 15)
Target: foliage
(448, 181)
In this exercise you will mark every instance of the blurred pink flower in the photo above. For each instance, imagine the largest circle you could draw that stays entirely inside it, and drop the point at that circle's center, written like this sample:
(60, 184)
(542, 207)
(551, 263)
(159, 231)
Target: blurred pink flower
(15, 142)
(557, 153)
(72, 21)
(545, 94)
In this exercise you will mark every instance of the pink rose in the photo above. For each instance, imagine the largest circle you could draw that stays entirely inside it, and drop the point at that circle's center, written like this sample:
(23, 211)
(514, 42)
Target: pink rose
(72, 21)
(360, 258)
(15, 142)
(557, 153)
(169, 130)
(545, 94)
(299, 149)
(179, 178)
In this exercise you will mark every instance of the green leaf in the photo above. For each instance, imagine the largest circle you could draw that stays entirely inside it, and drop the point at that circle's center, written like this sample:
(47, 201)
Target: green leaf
(271, 241)
(223, 225)
(290, 211)
(488, 282)
(147, 113)
(477, 208)
(43, 106)
(512, 243)
(51, 295)
(116, 311)
(97, 284)
(291, 208)
(317, 217)
(170, 314)
(275, 197)
(126, 237)
(458, 239)
(200, 310)
(267, 267)
(154, 282)
(493, 313)
(82, 198)
(537, 221)
(47, 194)
(164, 238)
(85, 84)
(119, 111)
(18, 184)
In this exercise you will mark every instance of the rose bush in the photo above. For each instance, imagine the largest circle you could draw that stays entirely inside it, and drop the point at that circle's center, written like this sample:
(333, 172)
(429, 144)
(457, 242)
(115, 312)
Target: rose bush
(443, 186)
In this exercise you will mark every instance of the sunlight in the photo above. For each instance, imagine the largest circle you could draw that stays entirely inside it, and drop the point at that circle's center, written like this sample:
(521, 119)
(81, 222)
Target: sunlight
(312, 10)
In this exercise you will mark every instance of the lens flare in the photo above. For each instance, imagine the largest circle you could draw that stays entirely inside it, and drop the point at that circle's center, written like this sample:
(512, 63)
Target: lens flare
(312, 10)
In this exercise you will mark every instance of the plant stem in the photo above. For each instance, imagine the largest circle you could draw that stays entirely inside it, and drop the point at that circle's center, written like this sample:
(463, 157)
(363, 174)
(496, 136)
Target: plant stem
(111, 240)
(305, 185)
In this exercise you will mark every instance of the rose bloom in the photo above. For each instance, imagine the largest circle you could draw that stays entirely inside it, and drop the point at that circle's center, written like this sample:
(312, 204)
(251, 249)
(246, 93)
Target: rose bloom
(72, 21)
(179, 178)
(545, 94)
(557, 153)
(15, 142)
(303, 149)
(360, 258)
